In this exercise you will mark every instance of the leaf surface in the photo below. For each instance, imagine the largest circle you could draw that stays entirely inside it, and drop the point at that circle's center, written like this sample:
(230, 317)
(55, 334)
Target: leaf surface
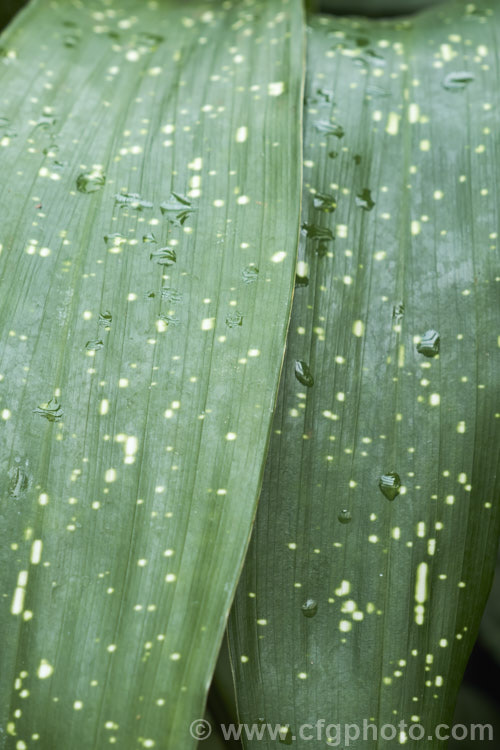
(360, 599)
(150, 214)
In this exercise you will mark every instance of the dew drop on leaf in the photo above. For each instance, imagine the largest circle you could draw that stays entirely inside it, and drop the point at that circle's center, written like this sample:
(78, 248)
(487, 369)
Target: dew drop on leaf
(149, 40)
(345, 516)
(325, 202)
(364, 200)
(179, 206)
(168, 319)
(373, 58)
(309, 608)
(315, 232)
(234, 319)
(44, 122)
(90, 182)
(390, 485)
(116, 238)
(329, 128)
(94, 345)
(105, 319)
(52, 411)
(19, 481)
(171, 295)
(429, 345)
(165, 256)
(457, 81)
(132, 200)
(398, 311)
(303, 373)
(71, 40)
(250, 274)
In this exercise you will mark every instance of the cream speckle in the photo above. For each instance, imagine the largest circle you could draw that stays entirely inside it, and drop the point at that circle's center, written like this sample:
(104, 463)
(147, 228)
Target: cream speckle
(45, 669)
(207, 324)
(276, 88)
(358, 328)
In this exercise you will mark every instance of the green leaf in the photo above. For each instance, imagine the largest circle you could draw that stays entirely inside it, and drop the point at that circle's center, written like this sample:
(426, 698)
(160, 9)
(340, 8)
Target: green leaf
(376, 534)
(134, 417)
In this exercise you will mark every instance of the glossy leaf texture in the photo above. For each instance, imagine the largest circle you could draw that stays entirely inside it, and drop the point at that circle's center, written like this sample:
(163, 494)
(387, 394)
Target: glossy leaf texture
(376, 534)
(150, 216)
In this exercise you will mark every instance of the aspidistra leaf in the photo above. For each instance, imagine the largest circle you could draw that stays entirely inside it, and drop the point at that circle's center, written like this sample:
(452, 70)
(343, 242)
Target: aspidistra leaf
(134, 416)
(376, 534)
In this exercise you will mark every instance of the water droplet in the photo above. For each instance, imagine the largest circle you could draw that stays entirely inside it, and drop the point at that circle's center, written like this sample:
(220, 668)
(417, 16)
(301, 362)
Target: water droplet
(176, 202)
(309, 608)
(315, 232)
(345, 516)
(303, 373)
(370, 57)
(90, 182)
(19, 481)
(179, 205)
(320, 96)
(148, 40)
(71, 40)
(234, 319)
(457, 81)
(398, 311)
(165, 256)
(250, 274)
(364, 200)
(51, 150)
(325, 202)
(301, 281)
(5, 128)
(329, 128)
(149, 238)
(94, 345)
(45, 122)
(168, 319)
(52, 410)
(429, 345)
(105, 319)
(114, 238)
(132, 200)
(172, 295)
(390, 484)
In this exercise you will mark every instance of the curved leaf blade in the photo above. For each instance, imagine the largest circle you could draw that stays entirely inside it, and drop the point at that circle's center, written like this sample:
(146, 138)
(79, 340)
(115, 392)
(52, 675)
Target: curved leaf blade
(135, 416)
(361, 602)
